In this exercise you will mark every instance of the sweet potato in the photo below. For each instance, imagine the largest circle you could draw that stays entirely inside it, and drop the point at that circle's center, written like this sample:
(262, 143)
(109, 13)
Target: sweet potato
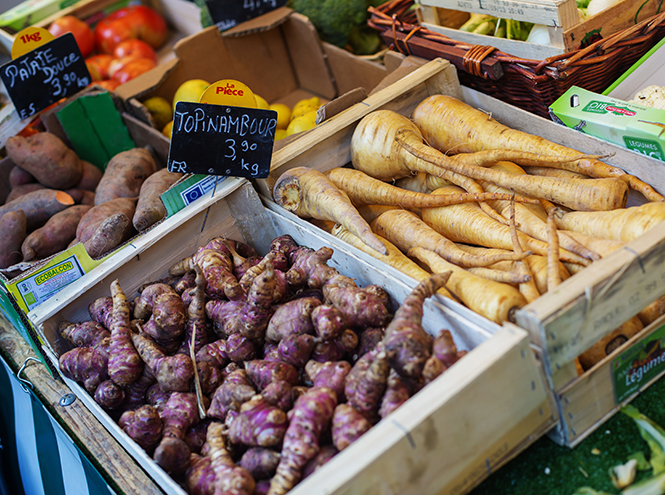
(47, 158)
(150, 209)
(13, 228)
(19, 176)
(124, 175)
(55, 235)
(90, 177)
(39, 206)
(97, 214)
(107, 236)
(18, 191)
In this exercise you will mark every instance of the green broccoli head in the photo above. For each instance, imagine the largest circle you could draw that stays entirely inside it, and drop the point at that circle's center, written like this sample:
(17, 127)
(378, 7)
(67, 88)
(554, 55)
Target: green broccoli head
(333, 19)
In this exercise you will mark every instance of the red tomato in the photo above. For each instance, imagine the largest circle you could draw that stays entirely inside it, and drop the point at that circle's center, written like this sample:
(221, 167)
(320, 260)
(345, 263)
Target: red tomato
(134, 48)
(134, 22)
(98, 66)
(134, 68)
(151, 26)
(81, 31)
(110, 32)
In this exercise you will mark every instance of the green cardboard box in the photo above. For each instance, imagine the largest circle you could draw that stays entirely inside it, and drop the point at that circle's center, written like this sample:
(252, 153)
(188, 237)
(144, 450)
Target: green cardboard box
(635, 127)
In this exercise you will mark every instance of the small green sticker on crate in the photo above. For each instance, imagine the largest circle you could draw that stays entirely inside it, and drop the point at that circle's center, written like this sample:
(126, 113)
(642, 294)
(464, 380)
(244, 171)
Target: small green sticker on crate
(188, 191)
(638, 365)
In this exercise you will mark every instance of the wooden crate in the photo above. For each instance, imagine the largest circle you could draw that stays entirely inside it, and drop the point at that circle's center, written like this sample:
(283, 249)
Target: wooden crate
(584, 308)
(92, 11)
(446, 439)
(561, 16)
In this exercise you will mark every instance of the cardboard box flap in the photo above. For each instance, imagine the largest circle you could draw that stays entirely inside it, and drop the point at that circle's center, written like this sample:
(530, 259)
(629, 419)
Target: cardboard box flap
(307, 56)
(263, 22)
(144, 83)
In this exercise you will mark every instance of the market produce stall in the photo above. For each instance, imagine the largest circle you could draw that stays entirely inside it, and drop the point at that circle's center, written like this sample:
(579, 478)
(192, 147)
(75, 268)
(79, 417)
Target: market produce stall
(264, 331)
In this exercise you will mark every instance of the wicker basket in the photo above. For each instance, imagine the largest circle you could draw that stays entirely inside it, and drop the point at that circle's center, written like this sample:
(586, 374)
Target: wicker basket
(529, 84)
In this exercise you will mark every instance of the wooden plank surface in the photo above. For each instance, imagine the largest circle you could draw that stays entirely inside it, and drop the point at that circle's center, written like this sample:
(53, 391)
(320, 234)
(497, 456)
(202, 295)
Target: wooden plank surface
(111, 460)
(558, 13)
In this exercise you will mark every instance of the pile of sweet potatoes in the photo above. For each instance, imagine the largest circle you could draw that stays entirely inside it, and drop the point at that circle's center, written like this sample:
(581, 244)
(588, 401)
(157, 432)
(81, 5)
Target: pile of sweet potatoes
(250, 371)
(57, 200)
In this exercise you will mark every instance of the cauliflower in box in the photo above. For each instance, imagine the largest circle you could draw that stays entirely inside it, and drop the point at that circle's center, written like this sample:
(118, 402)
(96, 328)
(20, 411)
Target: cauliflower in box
(652, 96)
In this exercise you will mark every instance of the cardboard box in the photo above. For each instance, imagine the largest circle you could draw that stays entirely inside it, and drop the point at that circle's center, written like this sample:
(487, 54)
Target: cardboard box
(32, 283)
(481, 412)
(567, 31)
(278, 55)
(564, 322)
(633, 126)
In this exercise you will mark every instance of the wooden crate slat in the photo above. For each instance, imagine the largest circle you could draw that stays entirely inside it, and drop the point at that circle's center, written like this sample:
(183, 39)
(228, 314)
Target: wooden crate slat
(559, 13)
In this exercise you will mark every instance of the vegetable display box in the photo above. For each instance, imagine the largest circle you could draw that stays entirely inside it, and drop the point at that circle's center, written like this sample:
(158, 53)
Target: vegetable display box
(278, 55)
(33, 281)
(568, 32)
(531, 79)
(87, 10)
(445, 439)
(586, 307)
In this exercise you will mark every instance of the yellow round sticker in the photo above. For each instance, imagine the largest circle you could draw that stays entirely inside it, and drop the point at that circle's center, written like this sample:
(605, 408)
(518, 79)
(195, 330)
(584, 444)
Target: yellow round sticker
(28, 39)
(230, 93)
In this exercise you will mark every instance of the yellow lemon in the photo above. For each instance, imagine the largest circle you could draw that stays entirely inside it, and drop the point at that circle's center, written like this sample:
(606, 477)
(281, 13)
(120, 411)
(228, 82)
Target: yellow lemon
(261, 102)
(283, 114)
(302, 123)
(304, 106)
(160, 109)
(280, 134)
(167, 129)
(190, 91)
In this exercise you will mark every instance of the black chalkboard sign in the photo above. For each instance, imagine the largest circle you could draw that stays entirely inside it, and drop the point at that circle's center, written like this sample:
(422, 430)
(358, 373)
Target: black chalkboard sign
(222, 140)
(44, 75)
(227, 13)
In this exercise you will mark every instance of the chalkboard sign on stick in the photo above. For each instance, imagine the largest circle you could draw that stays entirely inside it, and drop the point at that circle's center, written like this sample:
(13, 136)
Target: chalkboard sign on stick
(44, 75)
(222, 140)
(229, 13)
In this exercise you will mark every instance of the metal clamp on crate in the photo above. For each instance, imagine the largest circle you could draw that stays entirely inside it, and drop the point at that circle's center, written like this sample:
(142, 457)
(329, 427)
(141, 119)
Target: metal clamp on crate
(24, 381)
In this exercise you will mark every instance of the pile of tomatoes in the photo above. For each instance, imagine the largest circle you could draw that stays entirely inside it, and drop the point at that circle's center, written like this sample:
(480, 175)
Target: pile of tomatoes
(121, 46)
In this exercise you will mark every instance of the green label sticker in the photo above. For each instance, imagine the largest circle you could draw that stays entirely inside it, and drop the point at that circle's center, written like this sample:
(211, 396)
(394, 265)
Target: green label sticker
(188, 191)
(595, 106)
(638, 365)
(645, 146)
(43, 284)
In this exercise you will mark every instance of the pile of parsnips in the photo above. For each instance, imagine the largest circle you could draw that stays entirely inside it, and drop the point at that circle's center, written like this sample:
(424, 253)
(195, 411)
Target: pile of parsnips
(510, 213)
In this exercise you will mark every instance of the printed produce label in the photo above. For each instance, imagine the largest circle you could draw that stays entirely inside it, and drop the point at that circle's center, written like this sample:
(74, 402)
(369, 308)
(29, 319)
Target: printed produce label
(638, 365)
(645, 146)
(188, 191)
(40, 286)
